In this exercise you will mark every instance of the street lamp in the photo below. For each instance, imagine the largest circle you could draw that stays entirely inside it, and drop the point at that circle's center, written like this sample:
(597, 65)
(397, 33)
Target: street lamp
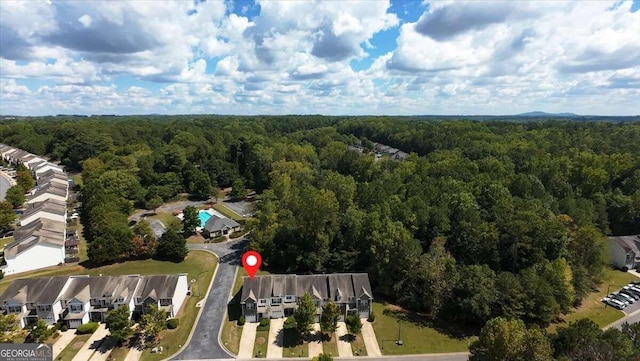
(399, 341)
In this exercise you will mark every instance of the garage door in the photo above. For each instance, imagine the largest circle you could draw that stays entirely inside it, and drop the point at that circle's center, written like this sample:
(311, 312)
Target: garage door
(277, 314)
(251, 318)
(75, 323)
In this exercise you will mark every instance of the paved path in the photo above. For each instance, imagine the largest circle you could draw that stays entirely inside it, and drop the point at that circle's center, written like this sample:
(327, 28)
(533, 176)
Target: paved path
(315, 345)
(92, 344)
(274, 345)
(344, 347)
(62, 341)
(205, 341)
(103, 351)
(370, 341)
(247, 340)
(134, 353)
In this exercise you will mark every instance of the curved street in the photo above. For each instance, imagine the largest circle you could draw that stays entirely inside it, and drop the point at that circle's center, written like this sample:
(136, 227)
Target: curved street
(204, 344)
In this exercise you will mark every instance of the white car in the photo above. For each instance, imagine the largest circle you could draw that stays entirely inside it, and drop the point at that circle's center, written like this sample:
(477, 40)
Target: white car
(614, 303)
(626, 297)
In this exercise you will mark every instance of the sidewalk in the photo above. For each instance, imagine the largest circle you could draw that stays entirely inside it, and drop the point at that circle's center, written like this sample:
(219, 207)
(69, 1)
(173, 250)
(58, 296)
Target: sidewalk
(315, 344)
(370, 341)
(276, 335)
(247, 339)
(344, 347)
(92, 344)
(63, 341)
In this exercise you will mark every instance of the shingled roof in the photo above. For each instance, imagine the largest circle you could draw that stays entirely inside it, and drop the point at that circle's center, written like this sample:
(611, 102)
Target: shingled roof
(34, 290)
(339, 286)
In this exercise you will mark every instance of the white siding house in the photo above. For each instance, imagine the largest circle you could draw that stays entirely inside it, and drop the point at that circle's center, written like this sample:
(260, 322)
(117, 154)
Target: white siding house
(625, 252)
(38, 255)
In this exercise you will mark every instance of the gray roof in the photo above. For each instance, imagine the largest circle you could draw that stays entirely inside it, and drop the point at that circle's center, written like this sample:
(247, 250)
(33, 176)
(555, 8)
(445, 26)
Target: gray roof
(216, 223)
(158, 286)
(628, 243)
(49, 188)
(34, 290)
(325, 286)
(83, 287)
(53, 173)
(40, 231)
(49, 206)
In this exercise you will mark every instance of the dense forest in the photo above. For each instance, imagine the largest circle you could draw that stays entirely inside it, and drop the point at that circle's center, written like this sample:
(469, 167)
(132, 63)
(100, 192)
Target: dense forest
(484, 219)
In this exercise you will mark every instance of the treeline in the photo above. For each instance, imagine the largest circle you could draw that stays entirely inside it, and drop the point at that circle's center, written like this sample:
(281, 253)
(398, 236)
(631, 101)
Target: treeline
(502, 339)
(484, 219)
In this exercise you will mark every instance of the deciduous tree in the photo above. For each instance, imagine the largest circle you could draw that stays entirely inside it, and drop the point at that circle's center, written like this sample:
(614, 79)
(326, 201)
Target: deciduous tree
(119, 323)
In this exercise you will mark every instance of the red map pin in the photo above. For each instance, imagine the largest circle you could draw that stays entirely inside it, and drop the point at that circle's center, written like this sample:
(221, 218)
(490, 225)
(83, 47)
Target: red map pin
(251, 262)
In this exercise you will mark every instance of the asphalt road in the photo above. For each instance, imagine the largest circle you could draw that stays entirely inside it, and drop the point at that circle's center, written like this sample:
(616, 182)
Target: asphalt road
(204, 343)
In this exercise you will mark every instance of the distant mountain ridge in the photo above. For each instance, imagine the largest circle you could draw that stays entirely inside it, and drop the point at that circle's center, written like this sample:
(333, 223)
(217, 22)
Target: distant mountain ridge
(545, 114)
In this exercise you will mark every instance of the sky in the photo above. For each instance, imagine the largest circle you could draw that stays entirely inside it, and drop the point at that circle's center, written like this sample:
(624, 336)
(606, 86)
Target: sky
(332, 57)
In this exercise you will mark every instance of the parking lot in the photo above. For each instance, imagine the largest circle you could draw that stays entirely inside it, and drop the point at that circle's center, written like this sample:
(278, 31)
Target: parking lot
(631, 308)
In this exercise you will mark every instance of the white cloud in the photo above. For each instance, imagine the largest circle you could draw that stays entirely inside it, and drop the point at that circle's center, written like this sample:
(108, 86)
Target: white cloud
(458, 57)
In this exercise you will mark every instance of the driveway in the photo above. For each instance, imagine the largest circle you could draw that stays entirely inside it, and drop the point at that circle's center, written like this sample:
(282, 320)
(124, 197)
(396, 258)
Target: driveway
(247, 340)
(275, 343)
(344, 347)
(369, 338)
(205, 341)
(62, 341)
(456, 356)
(102, 352)
(315, 344)
(92, 344)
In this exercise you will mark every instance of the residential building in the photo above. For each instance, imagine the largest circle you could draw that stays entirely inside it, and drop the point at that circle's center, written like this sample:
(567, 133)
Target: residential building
(49, 191)
(39, 244)
(50, 176)
(625, 251)
(76, 300)
(52, 209)
(218, 226)
(46, 167)
(32, 299)
(168, 292)
(275, 296)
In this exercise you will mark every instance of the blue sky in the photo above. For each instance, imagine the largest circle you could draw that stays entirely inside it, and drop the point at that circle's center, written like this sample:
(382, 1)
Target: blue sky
(326, 57)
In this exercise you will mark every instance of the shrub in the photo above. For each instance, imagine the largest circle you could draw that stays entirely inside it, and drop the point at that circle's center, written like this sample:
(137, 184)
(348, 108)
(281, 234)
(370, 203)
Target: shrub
(372, 317)
(64, 328)
(264, 325)
(173, 323)
(87, 328)
(241, 321)
(289, 323)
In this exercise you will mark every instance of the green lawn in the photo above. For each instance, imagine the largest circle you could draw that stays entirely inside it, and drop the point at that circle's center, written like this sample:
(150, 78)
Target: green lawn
(165, 217)
(593, 308)
(227, 212)
(292, 345)
(77, 179)
(5, 241)
(231, 332)
(260, 345)
(417, 335)
(330, 346)
(72, 348)
(357, 346)
(119, 353)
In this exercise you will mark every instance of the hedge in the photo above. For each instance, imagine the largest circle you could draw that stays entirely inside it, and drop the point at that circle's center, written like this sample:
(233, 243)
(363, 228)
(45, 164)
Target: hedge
(87, 328)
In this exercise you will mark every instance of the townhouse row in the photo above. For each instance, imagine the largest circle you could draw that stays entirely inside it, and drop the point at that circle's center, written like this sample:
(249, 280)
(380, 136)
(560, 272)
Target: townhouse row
(40, 238)
(75, 300)
(277, 296)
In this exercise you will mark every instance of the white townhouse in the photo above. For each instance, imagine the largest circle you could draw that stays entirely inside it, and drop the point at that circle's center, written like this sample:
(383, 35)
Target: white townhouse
(31, 299)
(49, 191)
(37, 245)
(76, 300)
(46, 167)
(51, 209)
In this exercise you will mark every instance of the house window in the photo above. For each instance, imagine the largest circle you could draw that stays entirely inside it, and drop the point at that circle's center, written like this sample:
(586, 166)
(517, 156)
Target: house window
(276, 301)
(14, 309)
(262, 302)
(290, 299)
(75, 308)
(165, 302)
(44, 308)
(249, 306)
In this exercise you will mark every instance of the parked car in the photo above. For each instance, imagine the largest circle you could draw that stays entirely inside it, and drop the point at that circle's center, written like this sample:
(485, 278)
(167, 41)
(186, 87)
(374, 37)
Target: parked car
(626, 297)
(634, 287)
(630, 293)
(614, 303)
(631, 289)
(618, 297)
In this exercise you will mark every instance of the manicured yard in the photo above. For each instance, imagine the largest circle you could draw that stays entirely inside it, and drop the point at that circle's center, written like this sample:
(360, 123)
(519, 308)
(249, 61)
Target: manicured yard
(119, 353)
(417, 335)
(72, 348)
(330, 346)
(357, 346)
(593, 308)
(292, 345)
(227, 212)
(165, 217)
(231, 332)
(260, 345)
